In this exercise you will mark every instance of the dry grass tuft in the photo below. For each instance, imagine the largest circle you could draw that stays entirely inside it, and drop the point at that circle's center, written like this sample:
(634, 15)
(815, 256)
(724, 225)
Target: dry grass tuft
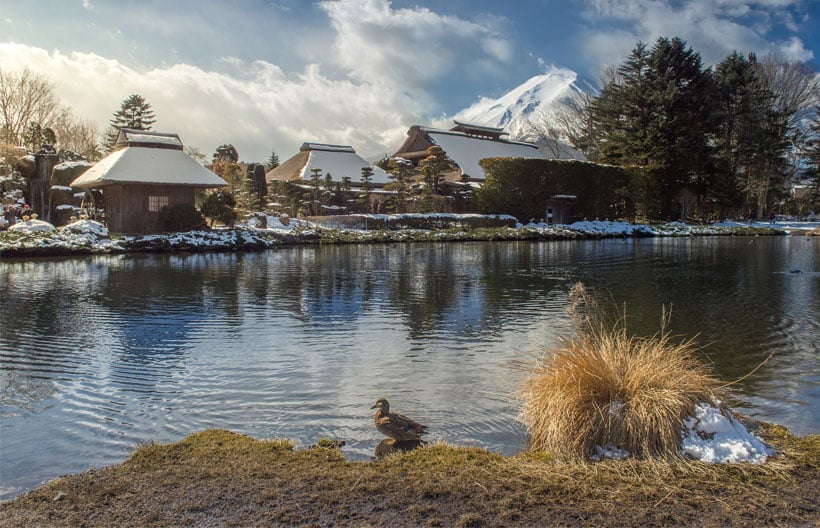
(605, 387)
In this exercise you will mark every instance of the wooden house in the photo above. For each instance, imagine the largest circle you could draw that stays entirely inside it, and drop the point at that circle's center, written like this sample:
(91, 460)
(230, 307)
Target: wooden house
(146, 172)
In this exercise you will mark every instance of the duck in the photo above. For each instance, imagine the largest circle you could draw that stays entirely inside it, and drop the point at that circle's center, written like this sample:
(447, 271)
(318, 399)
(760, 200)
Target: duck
(395, 425)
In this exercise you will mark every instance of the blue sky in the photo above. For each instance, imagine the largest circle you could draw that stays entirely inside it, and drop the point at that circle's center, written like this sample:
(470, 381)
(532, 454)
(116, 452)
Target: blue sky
(269, 75)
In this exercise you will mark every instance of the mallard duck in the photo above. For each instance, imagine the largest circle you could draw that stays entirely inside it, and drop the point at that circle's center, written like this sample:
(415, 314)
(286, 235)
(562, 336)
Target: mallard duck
(395, 425)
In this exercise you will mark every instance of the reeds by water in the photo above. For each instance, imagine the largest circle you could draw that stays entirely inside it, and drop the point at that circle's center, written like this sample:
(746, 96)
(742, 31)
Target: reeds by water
(604, 387)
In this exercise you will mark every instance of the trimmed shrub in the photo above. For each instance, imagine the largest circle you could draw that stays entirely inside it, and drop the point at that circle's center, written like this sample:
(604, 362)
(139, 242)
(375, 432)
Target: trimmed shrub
(521, 187)
(180, 217)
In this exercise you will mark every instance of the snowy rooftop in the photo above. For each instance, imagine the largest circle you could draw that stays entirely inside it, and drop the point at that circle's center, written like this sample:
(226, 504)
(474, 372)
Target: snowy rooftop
(340, 163)
(131, 137)
(160, 166)
(325, 147)
(467, 151)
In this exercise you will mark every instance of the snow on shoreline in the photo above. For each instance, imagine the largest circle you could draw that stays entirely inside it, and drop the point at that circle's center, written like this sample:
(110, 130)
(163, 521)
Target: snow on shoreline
(86, 236)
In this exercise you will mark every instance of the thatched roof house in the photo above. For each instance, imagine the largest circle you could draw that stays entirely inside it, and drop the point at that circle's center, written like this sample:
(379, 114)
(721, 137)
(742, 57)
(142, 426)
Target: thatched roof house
(145, 172)
(337, 160)
(465, 145)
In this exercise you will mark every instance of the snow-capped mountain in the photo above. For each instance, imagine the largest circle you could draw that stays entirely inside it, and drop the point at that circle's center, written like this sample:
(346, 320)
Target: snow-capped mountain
(529, 110)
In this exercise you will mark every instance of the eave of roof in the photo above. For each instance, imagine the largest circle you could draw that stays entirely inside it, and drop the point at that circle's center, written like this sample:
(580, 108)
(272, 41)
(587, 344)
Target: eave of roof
(148, 166)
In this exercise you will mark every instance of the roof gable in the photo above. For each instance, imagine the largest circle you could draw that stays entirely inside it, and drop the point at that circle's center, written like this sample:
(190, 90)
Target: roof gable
(129, 137)
(148, 164)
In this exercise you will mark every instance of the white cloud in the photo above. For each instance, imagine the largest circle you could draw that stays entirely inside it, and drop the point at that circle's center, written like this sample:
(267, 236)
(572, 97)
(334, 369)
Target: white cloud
(363, 83)
(411, 48)
(795, 50)
(261, 110)
(713, 28)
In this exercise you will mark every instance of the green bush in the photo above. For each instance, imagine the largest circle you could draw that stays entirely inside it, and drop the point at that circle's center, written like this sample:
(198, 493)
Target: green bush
(219, 206)
(521, 187)
(180, 217)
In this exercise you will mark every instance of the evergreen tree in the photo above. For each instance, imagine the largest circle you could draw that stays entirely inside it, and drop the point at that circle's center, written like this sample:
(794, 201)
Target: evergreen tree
(433, 167)
(273, 161)
(741, 139)
(401, 172)
(224, 155)
(658, 112)
(135, 112)
(367, 175)
(316, 191)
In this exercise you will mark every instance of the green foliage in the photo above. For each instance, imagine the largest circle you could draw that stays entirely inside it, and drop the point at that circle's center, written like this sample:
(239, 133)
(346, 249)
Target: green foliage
(219, 206)
(521, 187)
(433, 167)
(367, 175)
(180, 217)
(226, 154)
(273, 161)
(401, 171)
(660, 112)
(37, 136)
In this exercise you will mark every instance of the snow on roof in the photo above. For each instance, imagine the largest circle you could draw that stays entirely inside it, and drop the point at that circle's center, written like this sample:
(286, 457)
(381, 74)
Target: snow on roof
(329, 148)
(467, 151)
(131, 137)
(159, 166)
(341, 163)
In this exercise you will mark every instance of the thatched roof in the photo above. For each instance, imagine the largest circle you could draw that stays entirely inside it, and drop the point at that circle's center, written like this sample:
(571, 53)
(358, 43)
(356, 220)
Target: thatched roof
(337, 160)
(465, 145)
(153, 158)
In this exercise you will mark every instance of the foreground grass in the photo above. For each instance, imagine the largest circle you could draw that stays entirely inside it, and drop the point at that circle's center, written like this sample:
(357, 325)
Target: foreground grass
(219, 478)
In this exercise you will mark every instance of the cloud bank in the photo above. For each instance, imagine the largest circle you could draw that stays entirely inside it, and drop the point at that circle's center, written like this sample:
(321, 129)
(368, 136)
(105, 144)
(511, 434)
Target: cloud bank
(714, 28)
(376, 79)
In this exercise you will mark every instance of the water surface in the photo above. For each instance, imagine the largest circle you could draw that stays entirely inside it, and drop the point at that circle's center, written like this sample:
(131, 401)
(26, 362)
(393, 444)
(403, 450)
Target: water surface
(100, 354)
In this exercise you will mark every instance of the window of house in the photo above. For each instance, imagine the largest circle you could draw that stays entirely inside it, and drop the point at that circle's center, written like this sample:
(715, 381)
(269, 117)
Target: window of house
(156, 203)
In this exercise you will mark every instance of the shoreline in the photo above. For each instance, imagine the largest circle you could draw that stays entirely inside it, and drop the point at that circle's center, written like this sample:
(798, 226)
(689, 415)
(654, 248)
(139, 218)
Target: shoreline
(216, 478)
(82, 238)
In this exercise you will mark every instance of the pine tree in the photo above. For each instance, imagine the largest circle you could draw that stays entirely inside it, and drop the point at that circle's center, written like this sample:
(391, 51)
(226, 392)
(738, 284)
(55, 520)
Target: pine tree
(433, 167)
(367, 175)
(273, 161)
(135, 112)
(401, 172)
(657, 112)
(741, 138)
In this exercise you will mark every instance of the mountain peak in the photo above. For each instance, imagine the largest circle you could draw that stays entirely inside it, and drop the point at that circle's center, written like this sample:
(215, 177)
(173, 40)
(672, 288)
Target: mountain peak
(536, 100)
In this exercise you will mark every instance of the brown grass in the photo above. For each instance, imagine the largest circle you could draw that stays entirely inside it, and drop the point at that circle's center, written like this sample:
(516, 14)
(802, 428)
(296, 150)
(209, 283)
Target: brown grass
(605, 387)
(219, 478)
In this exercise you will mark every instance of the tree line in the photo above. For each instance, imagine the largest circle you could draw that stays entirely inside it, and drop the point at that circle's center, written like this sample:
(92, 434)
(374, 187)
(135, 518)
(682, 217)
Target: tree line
(730, 140)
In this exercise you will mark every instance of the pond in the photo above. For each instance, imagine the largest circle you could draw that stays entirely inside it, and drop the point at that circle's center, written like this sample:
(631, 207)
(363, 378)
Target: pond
(100, 354)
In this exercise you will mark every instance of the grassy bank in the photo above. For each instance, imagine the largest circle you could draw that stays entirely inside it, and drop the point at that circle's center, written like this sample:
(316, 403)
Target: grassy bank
(219, 478)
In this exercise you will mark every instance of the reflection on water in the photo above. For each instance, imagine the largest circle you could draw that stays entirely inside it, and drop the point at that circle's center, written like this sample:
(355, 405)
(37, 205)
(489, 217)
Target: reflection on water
(100, 354)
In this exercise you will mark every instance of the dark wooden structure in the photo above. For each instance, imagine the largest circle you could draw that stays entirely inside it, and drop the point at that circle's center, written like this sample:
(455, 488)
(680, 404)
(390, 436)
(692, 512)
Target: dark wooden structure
(146, 172)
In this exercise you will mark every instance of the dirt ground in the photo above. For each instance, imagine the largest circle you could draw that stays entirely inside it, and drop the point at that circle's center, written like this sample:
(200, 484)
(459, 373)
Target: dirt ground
(219, 478)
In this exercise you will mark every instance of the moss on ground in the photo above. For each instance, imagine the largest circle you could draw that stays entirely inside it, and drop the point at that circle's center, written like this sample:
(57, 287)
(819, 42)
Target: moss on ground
(221, 478)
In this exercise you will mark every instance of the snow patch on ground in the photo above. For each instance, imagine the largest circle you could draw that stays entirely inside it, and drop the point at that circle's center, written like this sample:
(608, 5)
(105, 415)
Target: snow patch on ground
(32, 226)
(609, 451)
(713, 437)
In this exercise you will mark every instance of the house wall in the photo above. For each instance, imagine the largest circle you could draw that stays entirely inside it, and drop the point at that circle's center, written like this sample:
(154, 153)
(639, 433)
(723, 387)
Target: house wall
(127, 206)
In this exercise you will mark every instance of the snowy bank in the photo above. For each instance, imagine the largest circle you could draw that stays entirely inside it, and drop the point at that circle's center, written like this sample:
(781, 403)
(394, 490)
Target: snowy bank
(265, 231)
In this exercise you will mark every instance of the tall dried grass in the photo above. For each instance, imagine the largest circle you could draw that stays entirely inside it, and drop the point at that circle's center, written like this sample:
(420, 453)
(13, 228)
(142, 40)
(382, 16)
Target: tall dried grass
(605, 387)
